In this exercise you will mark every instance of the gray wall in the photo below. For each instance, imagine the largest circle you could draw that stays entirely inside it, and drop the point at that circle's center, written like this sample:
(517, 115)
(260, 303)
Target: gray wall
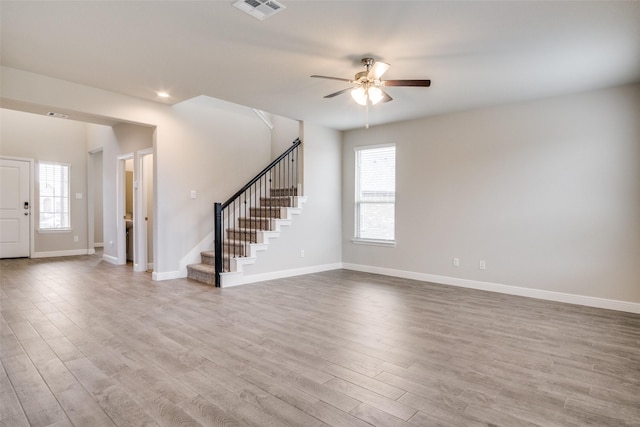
(284, 132)
(547, 192)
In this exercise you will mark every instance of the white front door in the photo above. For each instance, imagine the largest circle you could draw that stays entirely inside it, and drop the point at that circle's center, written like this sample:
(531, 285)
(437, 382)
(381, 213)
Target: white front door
(14, 208)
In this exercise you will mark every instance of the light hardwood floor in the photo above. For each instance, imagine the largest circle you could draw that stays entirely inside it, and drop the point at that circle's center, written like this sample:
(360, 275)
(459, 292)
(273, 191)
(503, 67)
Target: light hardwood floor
(87, 343)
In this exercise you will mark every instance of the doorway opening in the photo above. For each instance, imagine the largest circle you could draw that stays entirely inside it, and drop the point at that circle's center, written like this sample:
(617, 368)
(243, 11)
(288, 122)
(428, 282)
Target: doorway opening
(125, 209)
(95, 201)
(135, 210)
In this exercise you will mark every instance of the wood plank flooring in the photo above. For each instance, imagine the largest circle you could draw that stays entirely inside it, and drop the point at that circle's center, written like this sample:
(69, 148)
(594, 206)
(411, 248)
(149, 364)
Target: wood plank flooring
(86, 343)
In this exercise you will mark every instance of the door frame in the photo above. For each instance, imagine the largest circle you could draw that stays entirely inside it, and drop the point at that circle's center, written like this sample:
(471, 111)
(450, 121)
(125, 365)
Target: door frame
(141, 242)
(91, 180)
(32, 210)
(121, 194)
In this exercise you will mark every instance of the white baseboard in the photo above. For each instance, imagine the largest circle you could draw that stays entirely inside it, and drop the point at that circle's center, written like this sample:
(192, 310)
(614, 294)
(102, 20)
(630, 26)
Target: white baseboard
(236, 279)
(610, 304)
(51, 254)
(168, 275)
(110, 259)
(98, 245)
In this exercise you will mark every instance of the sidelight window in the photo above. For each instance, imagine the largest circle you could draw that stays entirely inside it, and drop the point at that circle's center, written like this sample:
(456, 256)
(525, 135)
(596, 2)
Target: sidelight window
(54, 196)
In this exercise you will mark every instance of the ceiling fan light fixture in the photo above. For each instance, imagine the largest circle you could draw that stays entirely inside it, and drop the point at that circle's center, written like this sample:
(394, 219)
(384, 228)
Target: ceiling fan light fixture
(359, 95)
(370, 95)
(375, 95)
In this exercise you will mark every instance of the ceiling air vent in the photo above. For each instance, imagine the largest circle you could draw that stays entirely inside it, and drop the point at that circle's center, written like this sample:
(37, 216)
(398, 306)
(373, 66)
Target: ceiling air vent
(260, 9)
(58, 115)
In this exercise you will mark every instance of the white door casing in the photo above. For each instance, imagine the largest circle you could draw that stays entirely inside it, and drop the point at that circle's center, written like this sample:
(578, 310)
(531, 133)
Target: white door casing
(143, 234)
(15, 208)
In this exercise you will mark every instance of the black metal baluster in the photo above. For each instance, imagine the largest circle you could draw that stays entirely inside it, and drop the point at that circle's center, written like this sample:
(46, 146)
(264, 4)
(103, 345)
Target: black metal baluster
(279, 177)
(291, 170)
(252, 197)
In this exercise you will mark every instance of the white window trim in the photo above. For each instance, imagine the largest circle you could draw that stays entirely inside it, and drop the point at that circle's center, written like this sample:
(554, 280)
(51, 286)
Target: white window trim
(363, 240)
(374, 242)
(53, 230)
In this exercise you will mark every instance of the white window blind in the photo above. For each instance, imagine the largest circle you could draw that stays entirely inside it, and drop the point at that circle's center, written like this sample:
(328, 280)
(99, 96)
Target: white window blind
(375, 192)
(54, 196)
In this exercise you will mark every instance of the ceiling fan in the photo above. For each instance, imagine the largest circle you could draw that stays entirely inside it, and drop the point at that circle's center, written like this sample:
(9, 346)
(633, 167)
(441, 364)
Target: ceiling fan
(367, 89)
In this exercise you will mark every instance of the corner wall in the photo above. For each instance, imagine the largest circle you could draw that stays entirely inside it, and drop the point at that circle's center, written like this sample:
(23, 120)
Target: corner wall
(547, 193)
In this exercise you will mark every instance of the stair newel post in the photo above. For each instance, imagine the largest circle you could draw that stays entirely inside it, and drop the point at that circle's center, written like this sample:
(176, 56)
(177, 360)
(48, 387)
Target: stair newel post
(218, 241)
(297, 183)
(299, 170)
(252, 205)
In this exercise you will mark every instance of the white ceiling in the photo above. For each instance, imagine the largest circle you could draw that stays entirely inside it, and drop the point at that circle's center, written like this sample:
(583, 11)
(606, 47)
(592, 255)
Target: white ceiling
(477, 53)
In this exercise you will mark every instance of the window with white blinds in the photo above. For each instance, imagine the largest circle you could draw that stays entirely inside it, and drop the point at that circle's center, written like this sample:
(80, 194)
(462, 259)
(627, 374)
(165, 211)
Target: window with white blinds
(375, 193)
(54, 196)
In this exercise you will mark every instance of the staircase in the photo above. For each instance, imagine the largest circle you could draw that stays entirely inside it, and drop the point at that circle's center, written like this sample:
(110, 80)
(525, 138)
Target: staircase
(252, 234)
(246, 222)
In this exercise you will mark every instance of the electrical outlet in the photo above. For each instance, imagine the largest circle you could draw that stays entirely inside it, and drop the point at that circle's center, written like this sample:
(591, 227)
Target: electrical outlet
(301, 253)
(75, 238)
(456, 262)
(483, 265)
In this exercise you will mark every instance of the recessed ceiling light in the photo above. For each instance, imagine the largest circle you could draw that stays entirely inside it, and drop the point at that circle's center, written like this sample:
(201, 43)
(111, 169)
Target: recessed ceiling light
(162, 94)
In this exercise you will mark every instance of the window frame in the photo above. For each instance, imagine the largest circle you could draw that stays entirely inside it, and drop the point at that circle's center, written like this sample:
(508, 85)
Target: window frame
(358, 239)
(68, 228)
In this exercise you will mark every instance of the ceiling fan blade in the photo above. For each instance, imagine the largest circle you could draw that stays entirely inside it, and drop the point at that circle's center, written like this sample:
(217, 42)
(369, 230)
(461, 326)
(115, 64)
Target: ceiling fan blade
(420, 83)
(377, 70)
(386, 97)
(331, 95)
(332, 78)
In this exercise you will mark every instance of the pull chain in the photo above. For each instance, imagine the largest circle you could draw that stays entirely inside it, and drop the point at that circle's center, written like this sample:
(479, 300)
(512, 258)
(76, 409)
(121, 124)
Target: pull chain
(366, 112)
